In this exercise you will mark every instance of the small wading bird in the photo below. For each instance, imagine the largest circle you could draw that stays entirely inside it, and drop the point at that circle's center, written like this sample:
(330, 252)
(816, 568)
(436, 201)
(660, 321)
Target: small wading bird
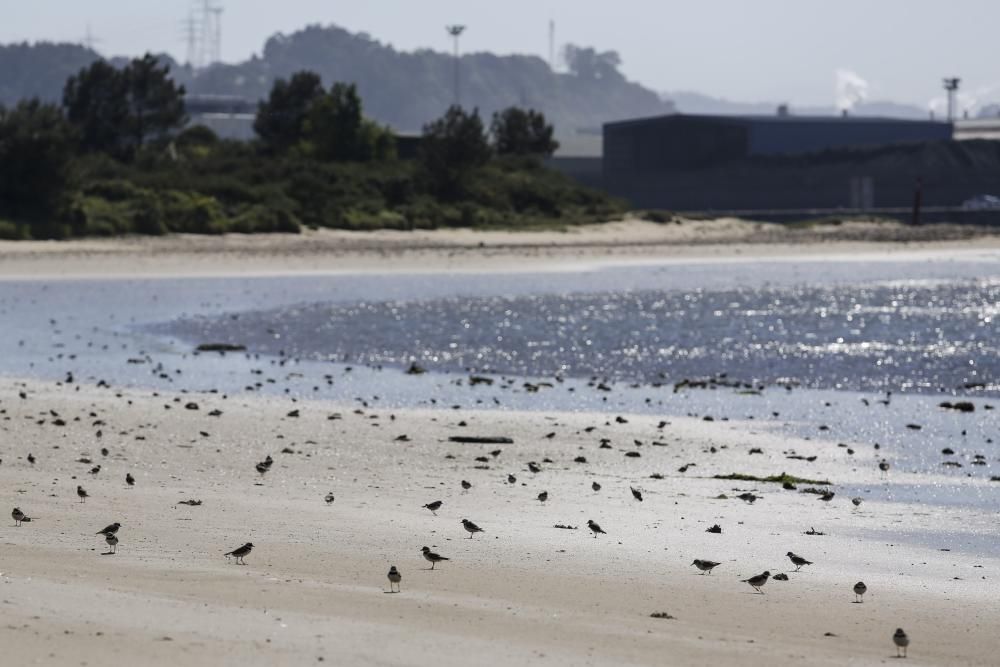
(240, 553)
(859, 592)
(82, 493)
(19, 516)
(432, 557)
(706, 566)
(798, 561)
(129, 479)
(636, 493)
(471, 527)
(594, 528)
(901, 641)
(595, 486)
(434, 506)
(466, 485)
(883, 465)
(543, 496)
(329, 498)
(109, 530)
(758, 581)
(112, 541)
(394, 578)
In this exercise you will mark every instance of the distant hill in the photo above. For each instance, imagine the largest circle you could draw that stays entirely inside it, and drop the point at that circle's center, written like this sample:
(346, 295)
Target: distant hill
(402, 89)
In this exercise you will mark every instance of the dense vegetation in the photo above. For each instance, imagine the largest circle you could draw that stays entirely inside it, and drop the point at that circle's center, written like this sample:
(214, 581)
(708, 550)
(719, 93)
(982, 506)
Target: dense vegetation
(115, 159)
(403, 89)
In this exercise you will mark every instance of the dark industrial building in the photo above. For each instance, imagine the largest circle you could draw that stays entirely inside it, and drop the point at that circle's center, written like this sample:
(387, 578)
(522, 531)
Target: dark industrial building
(783, 162)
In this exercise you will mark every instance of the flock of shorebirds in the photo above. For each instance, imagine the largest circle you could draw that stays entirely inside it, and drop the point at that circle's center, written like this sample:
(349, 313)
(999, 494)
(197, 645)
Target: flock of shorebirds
(757, 582)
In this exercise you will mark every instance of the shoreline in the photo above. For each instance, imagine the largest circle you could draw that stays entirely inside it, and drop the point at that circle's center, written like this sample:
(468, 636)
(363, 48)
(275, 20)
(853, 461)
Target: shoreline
(593, 246)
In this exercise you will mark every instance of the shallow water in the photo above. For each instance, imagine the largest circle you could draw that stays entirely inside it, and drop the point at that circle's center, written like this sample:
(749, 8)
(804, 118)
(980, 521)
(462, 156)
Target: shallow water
(844, 331)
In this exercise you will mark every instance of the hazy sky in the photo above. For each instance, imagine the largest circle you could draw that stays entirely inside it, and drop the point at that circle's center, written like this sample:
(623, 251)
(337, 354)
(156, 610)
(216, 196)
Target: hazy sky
(748, 50)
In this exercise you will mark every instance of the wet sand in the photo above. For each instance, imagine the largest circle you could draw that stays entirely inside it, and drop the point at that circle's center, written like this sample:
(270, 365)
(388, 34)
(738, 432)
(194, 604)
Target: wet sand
(522, 592)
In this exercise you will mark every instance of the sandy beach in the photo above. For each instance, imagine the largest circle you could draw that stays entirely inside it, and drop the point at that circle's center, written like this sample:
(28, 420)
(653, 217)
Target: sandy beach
(314, 588)
(326, 251)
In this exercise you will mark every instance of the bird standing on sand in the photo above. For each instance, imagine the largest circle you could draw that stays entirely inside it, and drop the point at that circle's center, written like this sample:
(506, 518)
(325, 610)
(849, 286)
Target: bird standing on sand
(543, 496)
(329, 498)
(82, 493)
(109, 530)
(240, 553)
(432, 557)
(705, 566)
(394, 578)
(883, 465)
(466, 485)
(857, 501)
(129, 479)
(798, 561)
(434, 506)
(901, 641)
(859, 591)
(511, 479)
(112, 541)
(471, 527)
(758, 581)
(534, 467)
(19, 516)
(595, 486)
(594, 528)
(748, 497)
(636, 493)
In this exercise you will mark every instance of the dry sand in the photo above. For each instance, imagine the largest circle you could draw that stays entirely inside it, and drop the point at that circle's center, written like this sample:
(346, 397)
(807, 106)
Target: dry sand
(468, 250)
(523, 592)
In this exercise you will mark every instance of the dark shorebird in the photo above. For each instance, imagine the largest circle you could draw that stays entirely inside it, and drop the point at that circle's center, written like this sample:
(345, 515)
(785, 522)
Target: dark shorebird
(31, 459)
(859, 591)
(394, 578)
(594, 528)
(471, 527)
(534, 467)
(432, 557)
(434, 506)
(109, 530)
(705, 566)
(857, 501)
(466, 485)
(240, 553)
(19, 516)
(129, 479)
(828, 496)
(883, 465)
(511, 479)
(901, 641)
(329, 498)
(748, 497)
(96, 469)
(758, 581)
(636, 493)
(82, 493)
(262, 468)
(798, 561)
(595, 486)
(543, 496)
(112, 541)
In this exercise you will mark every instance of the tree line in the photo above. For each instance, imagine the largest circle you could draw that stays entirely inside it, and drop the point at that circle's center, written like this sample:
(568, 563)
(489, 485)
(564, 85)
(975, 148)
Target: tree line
(118, 155)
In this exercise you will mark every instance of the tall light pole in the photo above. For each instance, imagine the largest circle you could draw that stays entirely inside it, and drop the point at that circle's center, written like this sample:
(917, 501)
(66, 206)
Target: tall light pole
(951, 86)
(456, 31)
